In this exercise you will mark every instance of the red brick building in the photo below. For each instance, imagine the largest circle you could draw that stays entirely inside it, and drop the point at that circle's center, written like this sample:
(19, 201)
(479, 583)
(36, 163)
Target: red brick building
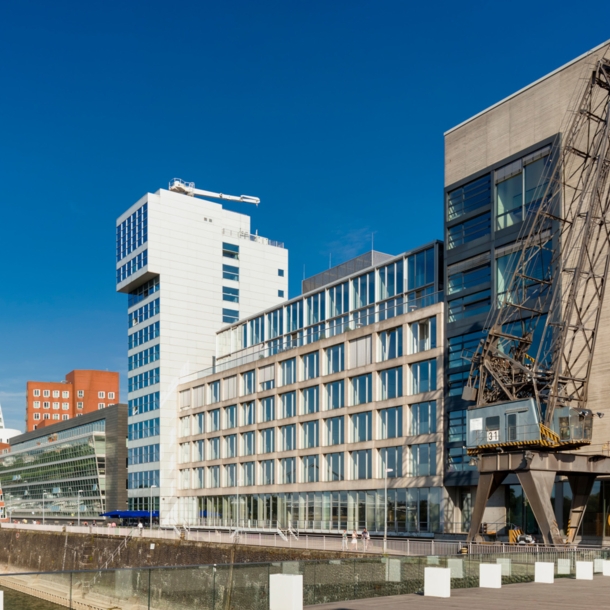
(48, 402)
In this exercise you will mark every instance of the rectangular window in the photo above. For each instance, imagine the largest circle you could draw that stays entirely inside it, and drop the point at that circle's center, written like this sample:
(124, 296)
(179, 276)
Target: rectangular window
(338, 300)
(360, 352)
(390, 382)
(364, 290)
(36, 392)
(463, 347)
(280, 272)
(268, 408)
(390, 423)
(362, 389)
(214, 448)
(47, 405)
(335, 433)
(335, 359)
(199, 423)
(311, 402)
(81, 394)
(230, 251)
(37, 416)
(199, 482)
(468, 278)
(423, 460)
(390, 343)
(423, 335)
(288, 466)
(249, 413)
(469, 197)
(55, 415)
(47, 393)
(267, 377)
(110, 395)
(362, 464)
(79, 405)
(248, 443)
(99, 394)
(390, 462)
(267, 472)
(334, 467)
(335, 395)
(215, 392)
(230, 294)
(230, 417)
(288, 436)
(468, 231)
(229, 272)
(66, 394)
(36, 404)
(185, 399)
(294, 316)
(315, 306)
(391, 280)
(249, 382)
(288, 370)
(229, 387)
(231, 446)
(423, 417)
(268, 440)
(229, 316)
(311, 368)
(249, 470)
(215, 420)
(311, 469)
(185, 453)
(474, 304)
(289, 404)
(275, 321)
(185, 426)
(362, 427)
(56, 405)
(423, 376)
(199, 448)
(214, 476)
(280, 293)
(310, 434)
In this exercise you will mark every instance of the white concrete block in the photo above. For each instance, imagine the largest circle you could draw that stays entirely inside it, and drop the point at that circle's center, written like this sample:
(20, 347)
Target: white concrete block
(544, 572)
(490, 576)
(584, 570)
(564, 567)
(393, 570)
(598, 566)
(1, 600)
(456, 566)
(437, 582)
(505, 562)
(286, 592)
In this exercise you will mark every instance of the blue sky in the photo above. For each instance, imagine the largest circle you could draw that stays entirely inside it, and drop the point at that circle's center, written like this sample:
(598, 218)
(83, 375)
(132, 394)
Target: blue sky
(332, 112)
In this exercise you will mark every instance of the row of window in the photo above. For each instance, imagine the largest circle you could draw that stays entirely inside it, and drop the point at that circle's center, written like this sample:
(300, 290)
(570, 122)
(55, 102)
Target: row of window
(144, 313)
(143, 404)
(144, 335)
(132, 232)
(131, 266)
(287, 372)
(143, 380)
(143, 480)
(421, 461)
(313, 433)
(415, 275)
(143, 292)
(66, 394)
(152, 354)
(47, 405)
(144, 429)
(143, 455)
(64, 417)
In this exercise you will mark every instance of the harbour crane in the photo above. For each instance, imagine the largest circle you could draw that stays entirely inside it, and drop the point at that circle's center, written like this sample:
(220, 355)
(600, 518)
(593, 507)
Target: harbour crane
(188, 188)
(529, 377)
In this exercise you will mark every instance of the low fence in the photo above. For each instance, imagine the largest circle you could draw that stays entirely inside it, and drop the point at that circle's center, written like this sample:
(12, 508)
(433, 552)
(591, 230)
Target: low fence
(246, 586)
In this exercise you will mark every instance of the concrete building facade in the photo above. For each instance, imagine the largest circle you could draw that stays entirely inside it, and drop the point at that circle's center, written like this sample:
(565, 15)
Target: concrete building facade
(494, 163)
(313, 403)
(82, 391)
(188, 266)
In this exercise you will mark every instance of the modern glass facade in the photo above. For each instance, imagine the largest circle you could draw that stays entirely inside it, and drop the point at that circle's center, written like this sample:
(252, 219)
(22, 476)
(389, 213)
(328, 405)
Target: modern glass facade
(60, 471)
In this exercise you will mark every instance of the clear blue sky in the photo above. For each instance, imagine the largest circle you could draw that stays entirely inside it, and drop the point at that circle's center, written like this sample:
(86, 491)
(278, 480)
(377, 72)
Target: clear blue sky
(332, 112)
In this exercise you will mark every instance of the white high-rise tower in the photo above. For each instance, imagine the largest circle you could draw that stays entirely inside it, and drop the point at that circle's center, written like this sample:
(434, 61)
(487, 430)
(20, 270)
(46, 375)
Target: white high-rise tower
(189, 267)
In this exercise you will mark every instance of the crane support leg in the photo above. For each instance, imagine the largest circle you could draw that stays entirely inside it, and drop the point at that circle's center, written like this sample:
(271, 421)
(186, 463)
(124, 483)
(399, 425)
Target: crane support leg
(488, 483)
(538, 486)
(581, 485)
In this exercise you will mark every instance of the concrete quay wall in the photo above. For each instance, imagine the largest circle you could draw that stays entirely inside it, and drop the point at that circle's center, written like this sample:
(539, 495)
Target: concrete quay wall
(42, 551)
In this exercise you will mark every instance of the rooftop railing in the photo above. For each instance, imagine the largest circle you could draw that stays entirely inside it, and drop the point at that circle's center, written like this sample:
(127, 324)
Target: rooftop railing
(250, 237)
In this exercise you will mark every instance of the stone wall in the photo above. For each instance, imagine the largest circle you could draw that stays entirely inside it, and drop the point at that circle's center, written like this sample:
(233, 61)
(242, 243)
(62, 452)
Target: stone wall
(56, 551)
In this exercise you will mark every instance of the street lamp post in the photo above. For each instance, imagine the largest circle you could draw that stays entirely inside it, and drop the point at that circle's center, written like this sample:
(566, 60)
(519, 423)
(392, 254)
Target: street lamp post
(44, 491)
(80, 491)
(150, 506)
(385, 525)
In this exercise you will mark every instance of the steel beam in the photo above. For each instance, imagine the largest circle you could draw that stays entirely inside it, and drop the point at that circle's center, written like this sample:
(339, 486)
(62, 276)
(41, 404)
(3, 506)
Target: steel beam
(581, 485)
(488, 483)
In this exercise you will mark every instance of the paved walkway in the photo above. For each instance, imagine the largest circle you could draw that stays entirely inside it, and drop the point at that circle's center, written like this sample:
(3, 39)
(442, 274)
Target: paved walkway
(565, 594)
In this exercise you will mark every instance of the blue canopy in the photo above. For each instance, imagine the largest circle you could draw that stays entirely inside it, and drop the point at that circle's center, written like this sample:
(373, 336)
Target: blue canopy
(130, 514)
